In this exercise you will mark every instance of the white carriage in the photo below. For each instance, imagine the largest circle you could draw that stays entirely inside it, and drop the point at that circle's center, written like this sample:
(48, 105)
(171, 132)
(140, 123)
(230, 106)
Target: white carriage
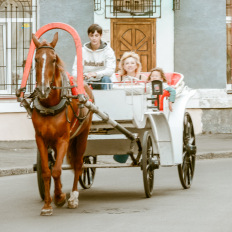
(167, 137)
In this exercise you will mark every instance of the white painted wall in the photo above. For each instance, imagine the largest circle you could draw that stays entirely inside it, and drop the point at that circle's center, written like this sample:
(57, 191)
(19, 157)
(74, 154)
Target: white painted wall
(165, 37)
(16, 126)
(99, 18)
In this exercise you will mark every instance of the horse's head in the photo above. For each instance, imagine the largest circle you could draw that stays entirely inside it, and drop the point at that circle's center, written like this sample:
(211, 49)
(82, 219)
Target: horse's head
(46, 60)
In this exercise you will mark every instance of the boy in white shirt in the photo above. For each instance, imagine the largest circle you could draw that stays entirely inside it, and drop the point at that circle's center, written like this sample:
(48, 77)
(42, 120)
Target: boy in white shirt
(98, 59)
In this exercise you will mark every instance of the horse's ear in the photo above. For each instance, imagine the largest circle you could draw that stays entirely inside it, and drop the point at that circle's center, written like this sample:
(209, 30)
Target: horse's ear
(35, 40)
(55, 39)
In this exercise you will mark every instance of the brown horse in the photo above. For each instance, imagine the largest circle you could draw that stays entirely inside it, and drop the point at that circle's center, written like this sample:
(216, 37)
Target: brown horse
(62, 125)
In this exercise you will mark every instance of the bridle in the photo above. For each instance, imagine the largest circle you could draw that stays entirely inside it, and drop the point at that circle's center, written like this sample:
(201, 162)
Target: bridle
(45, 47)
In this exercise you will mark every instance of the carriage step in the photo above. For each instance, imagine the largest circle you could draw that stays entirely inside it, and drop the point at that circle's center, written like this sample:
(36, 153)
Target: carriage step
(109, 166)
(67, 167)
(94, 137)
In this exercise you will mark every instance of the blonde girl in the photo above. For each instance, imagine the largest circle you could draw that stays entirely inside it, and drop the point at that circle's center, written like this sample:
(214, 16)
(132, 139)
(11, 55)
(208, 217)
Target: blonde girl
(129, 66)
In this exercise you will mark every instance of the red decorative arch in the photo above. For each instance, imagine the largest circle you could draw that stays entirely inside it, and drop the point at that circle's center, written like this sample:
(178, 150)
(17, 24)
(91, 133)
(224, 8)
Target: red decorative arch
(77, 41)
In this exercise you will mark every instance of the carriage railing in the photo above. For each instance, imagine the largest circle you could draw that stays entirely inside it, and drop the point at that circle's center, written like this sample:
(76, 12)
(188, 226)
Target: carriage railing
(134, 88)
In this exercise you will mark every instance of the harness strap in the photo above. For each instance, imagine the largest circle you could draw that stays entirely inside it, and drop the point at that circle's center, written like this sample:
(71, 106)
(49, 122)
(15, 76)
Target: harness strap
(45, 47)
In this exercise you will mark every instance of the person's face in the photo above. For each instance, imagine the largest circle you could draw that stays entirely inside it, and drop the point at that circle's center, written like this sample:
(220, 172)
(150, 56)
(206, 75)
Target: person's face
(130, 65)
(155, 75)
(95, 38)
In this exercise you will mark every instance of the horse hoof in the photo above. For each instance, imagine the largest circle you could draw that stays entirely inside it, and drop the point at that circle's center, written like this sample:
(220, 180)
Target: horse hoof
(60, 201)
(46, 212)
(73, 200)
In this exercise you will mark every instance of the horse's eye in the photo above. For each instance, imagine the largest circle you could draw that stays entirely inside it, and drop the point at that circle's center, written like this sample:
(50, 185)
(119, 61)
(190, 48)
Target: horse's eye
(36, 60)
(54, 60)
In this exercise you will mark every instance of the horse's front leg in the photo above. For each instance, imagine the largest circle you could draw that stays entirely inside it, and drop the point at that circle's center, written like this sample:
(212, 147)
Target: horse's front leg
(78, 150)
(46, 175)
(61, 150)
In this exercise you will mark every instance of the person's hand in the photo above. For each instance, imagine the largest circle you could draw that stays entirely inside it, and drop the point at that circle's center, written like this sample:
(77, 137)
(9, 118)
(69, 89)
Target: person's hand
(91, 74)
(170, 106)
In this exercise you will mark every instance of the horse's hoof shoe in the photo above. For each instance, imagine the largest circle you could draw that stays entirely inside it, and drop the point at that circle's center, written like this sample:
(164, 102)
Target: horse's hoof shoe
(73, 200)
(72, 205)
(61, 201)
(46, 212)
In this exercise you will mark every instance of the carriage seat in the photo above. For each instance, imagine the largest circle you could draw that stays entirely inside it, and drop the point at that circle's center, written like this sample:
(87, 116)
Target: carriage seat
(173, 79)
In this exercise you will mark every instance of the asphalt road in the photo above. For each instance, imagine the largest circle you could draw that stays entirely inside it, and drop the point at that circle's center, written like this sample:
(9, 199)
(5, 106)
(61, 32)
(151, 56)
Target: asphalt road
(117, 202)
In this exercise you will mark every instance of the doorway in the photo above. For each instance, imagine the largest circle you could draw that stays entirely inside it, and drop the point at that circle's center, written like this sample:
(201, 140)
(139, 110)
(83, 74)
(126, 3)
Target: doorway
(138, 35)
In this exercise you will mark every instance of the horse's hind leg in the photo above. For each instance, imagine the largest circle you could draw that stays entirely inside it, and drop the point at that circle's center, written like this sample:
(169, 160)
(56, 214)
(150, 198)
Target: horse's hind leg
(61, 149)
(46, 175)
(77, 150)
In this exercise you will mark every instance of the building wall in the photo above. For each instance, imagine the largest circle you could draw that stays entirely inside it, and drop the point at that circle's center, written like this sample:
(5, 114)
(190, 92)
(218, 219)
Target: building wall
(76, 13)
(200, 43)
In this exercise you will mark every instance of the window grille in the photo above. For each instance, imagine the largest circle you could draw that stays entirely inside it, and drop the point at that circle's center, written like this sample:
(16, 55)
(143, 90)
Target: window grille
(176, 5)
(132, 8)
(97, 5)
(229, 39)
(17, 22)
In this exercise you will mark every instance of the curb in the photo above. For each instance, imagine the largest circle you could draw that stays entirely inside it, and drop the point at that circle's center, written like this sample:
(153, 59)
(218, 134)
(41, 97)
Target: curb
(29, 169)
(16, 171)
(214, 155)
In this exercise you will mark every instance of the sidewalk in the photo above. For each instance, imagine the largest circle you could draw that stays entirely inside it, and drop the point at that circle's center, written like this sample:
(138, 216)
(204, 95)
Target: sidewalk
(18, 157)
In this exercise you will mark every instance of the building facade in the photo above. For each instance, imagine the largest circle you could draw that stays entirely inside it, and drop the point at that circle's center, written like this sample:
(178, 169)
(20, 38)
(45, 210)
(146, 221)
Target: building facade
(190, 37)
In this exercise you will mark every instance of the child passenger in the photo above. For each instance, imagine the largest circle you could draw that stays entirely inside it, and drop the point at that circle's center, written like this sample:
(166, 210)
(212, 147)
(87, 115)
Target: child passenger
(158, 74)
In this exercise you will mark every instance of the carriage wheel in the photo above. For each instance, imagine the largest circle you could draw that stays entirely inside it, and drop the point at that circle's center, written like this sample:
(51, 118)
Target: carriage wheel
(186, 169)
(87, 177)
(39, 172)
(148, 172)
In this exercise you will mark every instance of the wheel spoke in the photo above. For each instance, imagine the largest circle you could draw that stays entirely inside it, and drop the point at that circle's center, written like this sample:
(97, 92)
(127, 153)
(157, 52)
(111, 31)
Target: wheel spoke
(185, 174)
(191, 166)
(148, 173)
(92, 171)
(191, 140)
(85, 175)
(188, 176)
(88, 176)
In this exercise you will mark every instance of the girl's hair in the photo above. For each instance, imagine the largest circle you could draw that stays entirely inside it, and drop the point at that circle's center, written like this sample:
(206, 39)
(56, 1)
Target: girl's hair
(126, 55)
(160, 70)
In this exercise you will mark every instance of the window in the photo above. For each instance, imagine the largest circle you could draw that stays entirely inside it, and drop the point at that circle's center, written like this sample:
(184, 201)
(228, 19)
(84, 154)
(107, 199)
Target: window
(3, 56)
(133, 8)
(17, 22)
